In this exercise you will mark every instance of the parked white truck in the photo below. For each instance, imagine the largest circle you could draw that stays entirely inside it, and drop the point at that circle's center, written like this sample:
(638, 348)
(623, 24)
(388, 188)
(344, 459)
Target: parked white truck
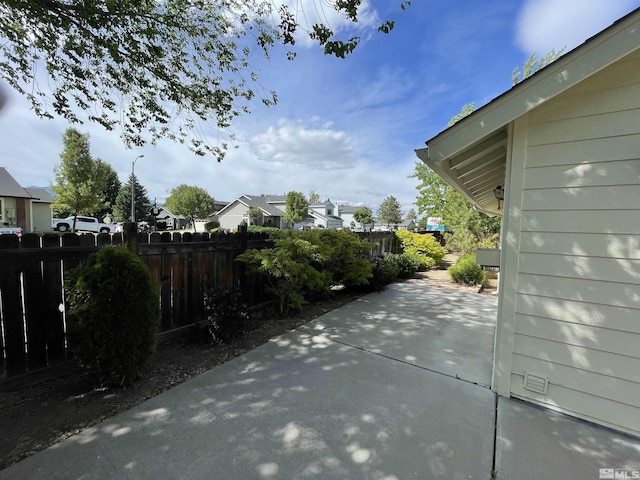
(83, 224)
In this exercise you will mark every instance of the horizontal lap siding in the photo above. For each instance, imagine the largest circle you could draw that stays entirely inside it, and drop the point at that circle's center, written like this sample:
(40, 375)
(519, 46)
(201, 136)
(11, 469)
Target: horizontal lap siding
(577, 319)
(232, 216)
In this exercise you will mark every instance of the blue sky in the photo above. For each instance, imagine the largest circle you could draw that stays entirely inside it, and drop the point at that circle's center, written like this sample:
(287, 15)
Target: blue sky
(346, 129)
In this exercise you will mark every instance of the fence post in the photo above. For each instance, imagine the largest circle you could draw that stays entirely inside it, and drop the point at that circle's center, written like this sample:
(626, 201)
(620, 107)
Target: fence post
(130, 231)
(242, 230)
(242, 272)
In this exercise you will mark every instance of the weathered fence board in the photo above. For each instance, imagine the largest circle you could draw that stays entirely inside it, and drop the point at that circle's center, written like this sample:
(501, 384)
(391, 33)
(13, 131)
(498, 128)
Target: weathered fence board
(33, 270)
(14, 333)
(53, 299)
(35, 317)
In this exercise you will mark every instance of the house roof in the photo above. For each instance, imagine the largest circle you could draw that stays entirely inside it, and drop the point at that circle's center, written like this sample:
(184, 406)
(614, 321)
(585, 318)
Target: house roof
(166, 213)
(40, 195)
(319, 215)
(263, 202)
(471, 155)
(9, 187)
(349, 208)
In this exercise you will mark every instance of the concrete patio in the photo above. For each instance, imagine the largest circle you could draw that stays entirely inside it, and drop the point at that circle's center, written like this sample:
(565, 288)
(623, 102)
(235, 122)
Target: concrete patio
(392, 386)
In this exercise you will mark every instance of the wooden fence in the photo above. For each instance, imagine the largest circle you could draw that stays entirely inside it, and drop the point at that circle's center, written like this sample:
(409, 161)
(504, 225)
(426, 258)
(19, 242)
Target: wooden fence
(183, 266)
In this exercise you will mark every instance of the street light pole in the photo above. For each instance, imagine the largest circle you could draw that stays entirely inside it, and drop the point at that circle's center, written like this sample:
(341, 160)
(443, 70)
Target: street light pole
(133, 188)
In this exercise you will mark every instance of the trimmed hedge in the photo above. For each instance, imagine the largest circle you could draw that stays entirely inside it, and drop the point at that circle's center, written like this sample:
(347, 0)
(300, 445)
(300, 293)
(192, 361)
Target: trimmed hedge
(113, 315)
(466, 271)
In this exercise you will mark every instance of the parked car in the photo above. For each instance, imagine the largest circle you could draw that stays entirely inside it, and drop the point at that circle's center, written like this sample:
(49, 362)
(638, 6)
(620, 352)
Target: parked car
(11, 230)
(83, 224)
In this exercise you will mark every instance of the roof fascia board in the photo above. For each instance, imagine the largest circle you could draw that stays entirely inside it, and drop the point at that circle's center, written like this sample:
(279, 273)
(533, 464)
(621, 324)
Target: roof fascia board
(610, 45)
(443, 170)
(229, 205)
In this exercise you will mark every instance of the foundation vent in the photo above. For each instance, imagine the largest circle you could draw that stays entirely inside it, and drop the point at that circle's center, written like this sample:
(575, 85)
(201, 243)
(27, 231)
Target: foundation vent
(536, 383)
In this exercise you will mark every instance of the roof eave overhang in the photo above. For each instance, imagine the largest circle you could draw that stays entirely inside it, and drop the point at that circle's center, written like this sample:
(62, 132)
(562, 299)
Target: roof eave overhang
(461, 153)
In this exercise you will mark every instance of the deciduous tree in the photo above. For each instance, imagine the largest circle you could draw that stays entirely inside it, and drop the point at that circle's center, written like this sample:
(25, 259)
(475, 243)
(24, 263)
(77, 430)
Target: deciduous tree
(192, 202)
(436, 198)
(110, 188)
(297, 208)
(154, 69)
(533, 64)
(78, 188)
(314, 197)
(254, 214)
(364, 216)
(431, 191)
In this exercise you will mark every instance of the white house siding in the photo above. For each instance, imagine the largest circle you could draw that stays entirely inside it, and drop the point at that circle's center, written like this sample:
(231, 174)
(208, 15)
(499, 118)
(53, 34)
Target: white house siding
(233, 215)
(42, 217)
(577, 290)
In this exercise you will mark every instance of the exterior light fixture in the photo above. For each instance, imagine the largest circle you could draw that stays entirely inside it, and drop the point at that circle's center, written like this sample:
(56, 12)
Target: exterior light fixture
(498, 192)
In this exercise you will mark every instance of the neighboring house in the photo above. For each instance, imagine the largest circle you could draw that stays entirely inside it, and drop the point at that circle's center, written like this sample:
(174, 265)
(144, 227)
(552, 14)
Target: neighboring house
(16, 204)
(42, 214)
(345, 212)
(406, 225)
(324, 215)
(564, 145)
(272, 210)
(174, 222)
(218, 206)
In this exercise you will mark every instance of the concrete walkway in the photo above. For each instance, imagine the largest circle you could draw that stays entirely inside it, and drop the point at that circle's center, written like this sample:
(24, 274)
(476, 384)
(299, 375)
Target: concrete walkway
(392, 386)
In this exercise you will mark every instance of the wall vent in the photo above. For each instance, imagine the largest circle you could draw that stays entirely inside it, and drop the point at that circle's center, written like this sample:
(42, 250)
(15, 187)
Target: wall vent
(536, 383)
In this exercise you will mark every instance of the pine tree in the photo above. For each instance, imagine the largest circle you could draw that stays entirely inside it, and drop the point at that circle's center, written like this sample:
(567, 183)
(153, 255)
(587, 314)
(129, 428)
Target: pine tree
(122, 209)
(389, 211)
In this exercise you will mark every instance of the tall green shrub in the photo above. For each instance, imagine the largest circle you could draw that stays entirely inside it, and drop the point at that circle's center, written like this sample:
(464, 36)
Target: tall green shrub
(345, 255)
(113, 314)
(389, 267)
(291, 268)
(424, 248)
(309, 262)
(466, 271)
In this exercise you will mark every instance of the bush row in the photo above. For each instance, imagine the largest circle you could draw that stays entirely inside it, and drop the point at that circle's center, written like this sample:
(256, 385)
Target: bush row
(113, 311)
(307, 264)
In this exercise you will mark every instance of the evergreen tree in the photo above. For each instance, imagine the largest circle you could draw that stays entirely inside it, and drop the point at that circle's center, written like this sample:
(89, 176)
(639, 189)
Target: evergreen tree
(122, 209)
(389, 211)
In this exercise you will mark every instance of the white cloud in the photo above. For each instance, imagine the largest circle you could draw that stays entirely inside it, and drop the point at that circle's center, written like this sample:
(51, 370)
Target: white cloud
(317, 147)
(543, 25)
